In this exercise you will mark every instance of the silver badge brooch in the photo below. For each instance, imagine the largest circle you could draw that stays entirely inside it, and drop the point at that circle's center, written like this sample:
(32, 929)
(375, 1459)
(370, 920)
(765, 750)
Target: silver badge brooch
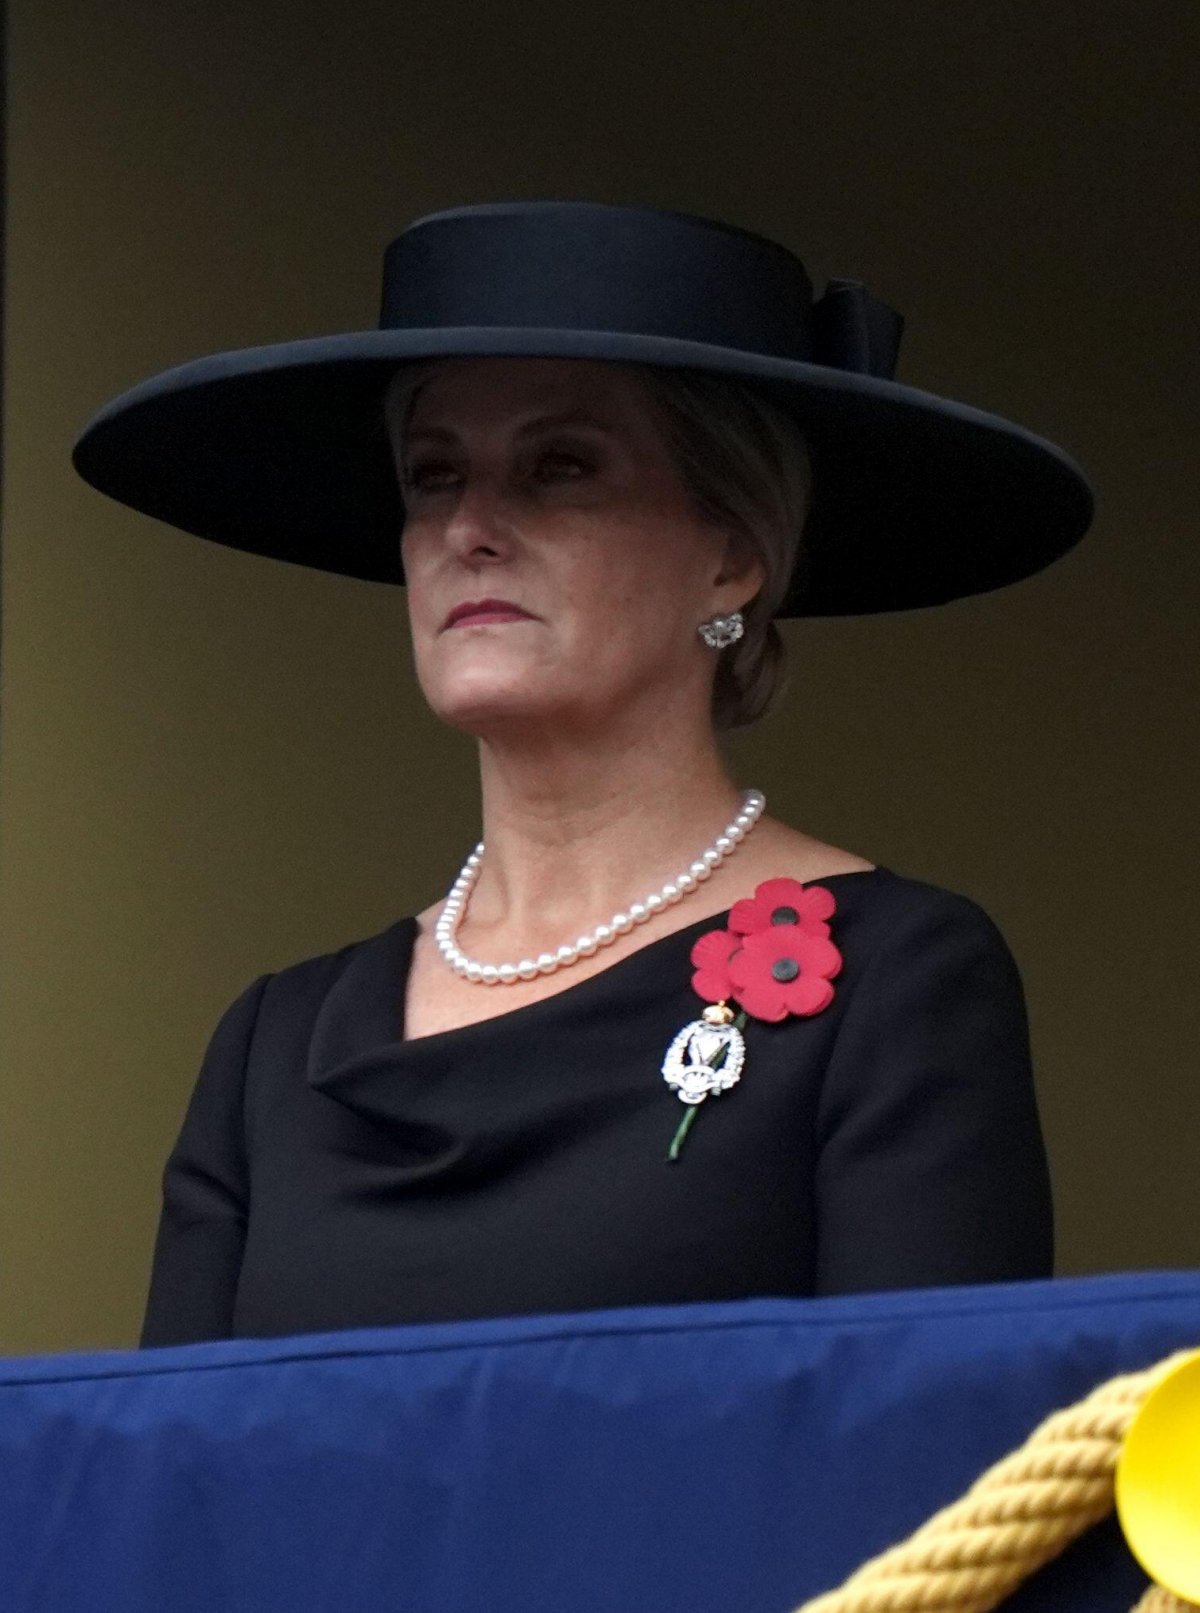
(706, 1056)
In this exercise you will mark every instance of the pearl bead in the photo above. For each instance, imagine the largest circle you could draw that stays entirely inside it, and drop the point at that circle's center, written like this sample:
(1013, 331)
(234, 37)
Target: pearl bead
(654, 902)
(565, 954)
(489, 974)
(547, 962)
(527, 969)
(735, 831)
(603, 934)
(700, 870)
(586, 945)
(671, 893)
(474, 971)
(621, 923)
(712, 857)
(639, 912)
(507, 973)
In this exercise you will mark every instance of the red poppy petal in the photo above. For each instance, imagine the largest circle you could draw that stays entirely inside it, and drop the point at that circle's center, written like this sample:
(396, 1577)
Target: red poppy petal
(742, 968)
(816, 954)
(751, 964)
(808, 995)
(818, 903)
(713, 985)
(821, 957)
(747, 915)
(764, 946)
(814, 926)
(773, 893)
(713, 948)
(762, 999)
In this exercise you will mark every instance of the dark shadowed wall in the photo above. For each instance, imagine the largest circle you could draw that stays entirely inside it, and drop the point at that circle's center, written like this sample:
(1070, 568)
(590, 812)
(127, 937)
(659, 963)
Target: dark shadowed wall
(215, 764)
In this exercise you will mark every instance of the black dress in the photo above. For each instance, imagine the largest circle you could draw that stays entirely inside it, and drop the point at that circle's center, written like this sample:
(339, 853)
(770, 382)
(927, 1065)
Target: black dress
(330, 1175)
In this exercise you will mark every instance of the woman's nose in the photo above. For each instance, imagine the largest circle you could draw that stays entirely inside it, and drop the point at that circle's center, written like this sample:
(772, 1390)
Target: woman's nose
(479, 523)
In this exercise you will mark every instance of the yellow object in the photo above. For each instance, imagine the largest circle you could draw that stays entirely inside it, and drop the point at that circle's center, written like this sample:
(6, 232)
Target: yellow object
(1016, 1516)
(1158, 1480)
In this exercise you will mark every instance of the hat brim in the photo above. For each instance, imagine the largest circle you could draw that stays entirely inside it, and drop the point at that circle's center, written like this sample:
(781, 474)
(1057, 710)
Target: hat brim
(281, 451)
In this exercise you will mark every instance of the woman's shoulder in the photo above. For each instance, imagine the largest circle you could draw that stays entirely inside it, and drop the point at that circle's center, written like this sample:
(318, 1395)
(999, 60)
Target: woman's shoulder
(788, 852)
(881, 912)
(797, 855)
(311, 977)
(905, 932)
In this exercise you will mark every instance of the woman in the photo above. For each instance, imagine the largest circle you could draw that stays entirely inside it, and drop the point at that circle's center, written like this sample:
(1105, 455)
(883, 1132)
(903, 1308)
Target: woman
(655, 1046)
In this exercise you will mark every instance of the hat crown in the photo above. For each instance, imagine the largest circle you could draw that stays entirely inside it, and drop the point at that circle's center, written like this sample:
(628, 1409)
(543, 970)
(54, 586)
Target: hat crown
(599, 267)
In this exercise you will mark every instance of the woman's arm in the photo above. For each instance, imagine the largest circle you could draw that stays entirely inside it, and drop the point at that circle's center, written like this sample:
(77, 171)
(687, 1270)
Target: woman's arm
(205, 1192)
(932, 1169)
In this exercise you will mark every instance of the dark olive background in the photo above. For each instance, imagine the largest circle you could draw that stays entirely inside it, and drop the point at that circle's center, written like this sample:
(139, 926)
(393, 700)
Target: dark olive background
(215, 764)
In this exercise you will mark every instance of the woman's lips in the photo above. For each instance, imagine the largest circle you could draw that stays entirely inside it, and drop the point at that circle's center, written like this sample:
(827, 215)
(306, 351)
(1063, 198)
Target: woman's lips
(478, 612)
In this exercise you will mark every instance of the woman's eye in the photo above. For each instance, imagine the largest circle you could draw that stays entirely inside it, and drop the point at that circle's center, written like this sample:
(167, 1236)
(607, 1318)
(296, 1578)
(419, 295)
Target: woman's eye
(419, 476)
(560, 459)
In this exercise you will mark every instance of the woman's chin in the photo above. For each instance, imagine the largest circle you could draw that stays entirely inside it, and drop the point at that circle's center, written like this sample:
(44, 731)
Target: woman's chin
(491, 708)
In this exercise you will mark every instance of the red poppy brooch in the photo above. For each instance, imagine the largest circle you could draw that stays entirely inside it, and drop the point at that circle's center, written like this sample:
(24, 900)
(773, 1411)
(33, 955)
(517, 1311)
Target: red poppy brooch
(774, 960)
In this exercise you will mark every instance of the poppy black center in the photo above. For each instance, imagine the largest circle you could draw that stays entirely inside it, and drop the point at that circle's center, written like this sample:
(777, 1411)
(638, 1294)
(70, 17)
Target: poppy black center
(784, 969)
(784, 915)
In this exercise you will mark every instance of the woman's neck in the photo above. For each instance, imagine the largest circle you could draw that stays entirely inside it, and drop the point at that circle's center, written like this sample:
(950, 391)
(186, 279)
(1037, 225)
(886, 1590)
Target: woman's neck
(576, 830)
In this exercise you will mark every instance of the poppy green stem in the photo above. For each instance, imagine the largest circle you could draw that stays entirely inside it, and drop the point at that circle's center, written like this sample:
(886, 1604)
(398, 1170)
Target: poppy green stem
(685, 1125)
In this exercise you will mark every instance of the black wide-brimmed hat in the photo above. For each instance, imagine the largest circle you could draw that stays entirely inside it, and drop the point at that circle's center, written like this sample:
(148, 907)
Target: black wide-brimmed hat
(281, 450)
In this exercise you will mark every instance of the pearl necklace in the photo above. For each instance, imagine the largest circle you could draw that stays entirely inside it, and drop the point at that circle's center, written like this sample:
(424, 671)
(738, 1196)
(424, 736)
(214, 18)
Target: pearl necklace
(504, 974)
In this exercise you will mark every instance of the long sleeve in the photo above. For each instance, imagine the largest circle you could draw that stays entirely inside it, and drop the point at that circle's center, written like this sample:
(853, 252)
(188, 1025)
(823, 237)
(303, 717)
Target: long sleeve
(931, 1167)
(205, 1194)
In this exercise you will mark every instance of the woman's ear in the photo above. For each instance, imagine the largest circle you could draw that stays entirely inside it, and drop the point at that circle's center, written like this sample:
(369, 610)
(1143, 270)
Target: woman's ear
(741, 576)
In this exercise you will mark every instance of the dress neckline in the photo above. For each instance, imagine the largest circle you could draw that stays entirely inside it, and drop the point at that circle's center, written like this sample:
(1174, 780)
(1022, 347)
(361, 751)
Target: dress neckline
(407, 929)
(358, 1053)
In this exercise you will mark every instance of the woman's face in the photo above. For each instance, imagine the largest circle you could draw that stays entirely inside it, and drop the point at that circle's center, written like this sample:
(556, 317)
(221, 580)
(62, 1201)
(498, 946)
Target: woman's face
(557, 570)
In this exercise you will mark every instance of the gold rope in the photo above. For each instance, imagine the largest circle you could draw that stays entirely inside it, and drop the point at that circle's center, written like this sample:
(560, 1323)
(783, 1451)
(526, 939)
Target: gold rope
(1015, 1517)
(1159, 1600)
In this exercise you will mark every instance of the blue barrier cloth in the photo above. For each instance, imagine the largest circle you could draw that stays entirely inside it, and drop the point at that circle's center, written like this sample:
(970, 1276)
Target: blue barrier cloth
(734, 1457)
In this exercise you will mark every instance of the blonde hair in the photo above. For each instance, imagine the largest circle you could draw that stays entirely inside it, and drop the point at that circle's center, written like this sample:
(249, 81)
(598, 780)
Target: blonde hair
(746, 466)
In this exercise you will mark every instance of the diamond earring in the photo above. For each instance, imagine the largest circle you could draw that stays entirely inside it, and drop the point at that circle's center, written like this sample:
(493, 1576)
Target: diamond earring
(722, 630)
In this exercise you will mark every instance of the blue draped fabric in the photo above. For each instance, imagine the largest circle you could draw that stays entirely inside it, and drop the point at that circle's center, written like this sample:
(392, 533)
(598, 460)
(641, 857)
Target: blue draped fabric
(716, 1458)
